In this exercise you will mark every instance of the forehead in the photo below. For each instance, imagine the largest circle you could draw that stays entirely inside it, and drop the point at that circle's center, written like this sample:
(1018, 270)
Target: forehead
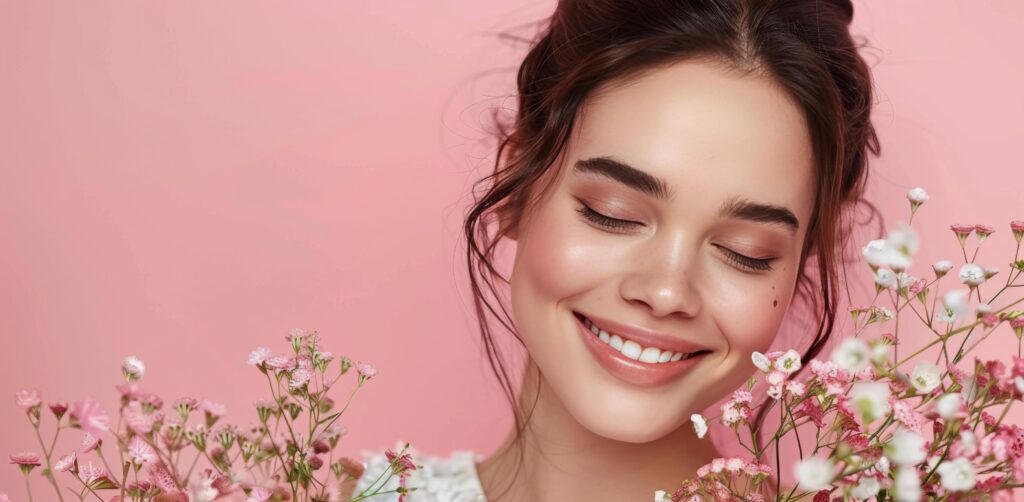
(708, 132)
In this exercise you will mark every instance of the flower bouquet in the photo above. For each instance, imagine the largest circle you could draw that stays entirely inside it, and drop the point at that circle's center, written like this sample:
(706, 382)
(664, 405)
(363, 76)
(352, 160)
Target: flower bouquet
(286, 453)
(881, 431)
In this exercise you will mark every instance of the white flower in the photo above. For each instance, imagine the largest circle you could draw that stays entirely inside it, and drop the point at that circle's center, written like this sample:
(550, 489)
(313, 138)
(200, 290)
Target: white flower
(956, 302)
(941, 267)
(133, 368)
(866, 488)
(947, 405)
(761, 361)
(906, 447)
(885, 278)
(700, 425)
(903, 240)
(871, 399)
(1018, 381)
(907, 485)
(880, 353)
(957, 475)
(851, 354)
(661, 496)
(788, 362)
(945, 315)
(904, 280)
(972, 274)
(926, 377)
(983, 308)
(797, 388)
(813, 473)
(917, 195)
(876, 253)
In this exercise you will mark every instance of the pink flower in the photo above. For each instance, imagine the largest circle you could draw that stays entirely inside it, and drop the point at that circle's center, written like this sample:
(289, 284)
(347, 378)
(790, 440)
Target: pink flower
(59, 408)
(961, 230)
(27, 399)
(280, 363)
(259, 494)
(983, 230)
(138, 420)
(299, 378)
(91, 474)
(25, 458)
(214, 409)
(403, 462)
(259, 356)
(87, 415)
(66, 462)
(140, 452)
(89, 443)
(365, 370)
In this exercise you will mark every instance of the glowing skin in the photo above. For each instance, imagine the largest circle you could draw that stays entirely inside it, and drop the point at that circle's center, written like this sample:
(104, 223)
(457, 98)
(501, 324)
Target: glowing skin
(712, 136)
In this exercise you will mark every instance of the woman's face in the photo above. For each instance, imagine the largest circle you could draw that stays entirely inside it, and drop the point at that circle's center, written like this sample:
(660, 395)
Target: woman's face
(704, 185)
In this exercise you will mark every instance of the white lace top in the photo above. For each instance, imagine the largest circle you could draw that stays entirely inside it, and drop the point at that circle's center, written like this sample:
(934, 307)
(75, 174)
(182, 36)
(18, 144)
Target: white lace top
(440, 479)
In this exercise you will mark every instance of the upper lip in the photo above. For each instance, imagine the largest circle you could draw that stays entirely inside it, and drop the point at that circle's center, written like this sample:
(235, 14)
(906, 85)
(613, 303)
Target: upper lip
(645, 337)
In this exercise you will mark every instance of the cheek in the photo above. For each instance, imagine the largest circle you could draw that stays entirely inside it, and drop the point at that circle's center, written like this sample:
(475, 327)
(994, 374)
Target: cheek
(761, 305)
(553, 261)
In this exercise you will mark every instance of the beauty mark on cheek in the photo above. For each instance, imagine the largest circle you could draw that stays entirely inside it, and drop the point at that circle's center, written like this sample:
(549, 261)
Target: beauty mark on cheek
(775, 302)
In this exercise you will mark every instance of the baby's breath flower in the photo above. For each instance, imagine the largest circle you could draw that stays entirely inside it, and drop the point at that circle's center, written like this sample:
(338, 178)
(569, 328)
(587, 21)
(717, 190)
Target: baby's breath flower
(916, 196)
(1018, 229)
(700, 424)
(133, 368)
(956, 301)
(885, 278)
(814, 473)
(905, 447)
(851, 354)
(871, 399)
(789, 362)
(956, 475)
(761, 361)
(941, 267)
(972, 274)
(926, 377)
(907, 485)
(962, 231)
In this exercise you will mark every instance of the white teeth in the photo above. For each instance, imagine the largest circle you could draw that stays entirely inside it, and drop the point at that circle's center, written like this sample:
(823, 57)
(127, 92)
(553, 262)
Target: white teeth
(633, 350)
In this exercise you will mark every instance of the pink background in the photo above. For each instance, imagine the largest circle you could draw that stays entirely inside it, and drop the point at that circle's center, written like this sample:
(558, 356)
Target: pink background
(185, 181)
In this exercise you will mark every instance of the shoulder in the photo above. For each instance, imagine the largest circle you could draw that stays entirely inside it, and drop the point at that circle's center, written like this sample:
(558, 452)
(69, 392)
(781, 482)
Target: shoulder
(437, 478)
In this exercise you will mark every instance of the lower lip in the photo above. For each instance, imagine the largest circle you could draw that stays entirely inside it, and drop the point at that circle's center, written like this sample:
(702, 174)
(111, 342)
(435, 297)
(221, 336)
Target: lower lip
(630, 370)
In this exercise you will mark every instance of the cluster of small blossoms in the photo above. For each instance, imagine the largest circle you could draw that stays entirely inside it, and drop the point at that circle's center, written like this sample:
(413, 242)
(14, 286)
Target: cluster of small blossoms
(921, 426)
(723, 479)
(185, 452)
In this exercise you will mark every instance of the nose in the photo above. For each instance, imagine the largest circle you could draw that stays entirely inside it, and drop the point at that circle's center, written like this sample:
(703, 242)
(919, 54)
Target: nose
(663, 278)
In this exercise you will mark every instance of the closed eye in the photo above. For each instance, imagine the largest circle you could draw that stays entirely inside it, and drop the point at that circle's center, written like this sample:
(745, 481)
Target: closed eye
(616, 224)
(743, 261)
(602, 220)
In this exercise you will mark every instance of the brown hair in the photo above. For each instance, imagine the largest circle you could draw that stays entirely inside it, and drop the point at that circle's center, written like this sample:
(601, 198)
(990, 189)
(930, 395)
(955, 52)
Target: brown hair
(803, 45)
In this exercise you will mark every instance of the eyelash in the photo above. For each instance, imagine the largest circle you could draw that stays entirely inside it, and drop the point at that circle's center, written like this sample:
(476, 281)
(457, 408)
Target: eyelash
(615, 224)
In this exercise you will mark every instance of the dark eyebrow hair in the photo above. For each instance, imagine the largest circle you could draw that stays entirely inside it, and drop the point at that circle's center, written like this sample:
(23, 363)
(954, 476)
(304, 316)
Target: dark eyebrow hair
(735, 207)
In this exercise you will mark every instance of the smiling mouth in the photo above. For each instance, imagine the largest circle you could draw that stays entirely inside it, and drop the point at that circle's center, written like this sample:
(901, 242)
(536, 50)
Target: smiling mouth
(634, 350)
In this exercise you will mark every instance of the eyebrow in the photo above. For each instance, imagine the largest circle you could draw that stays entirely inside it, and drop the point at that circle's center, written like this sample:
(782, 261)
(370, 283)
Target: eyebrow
(735, 207)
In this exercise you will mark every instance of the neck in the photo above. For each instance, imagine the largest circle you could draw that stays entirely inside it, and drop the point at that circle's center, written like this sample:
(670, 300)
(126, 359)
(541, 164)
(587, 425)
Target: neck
(562, 460)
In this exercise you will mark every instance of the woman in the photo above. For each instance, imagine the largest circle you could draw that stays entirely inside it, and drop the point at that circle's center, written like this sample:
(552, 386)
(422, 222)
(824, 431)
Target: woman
(676, 173)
